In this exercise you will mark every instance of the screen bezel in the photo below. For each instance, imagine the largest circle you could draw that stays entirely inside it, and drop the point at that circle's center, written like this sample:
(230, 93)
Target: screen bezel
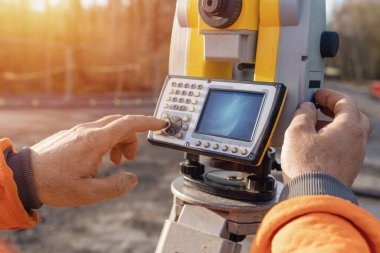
(232, 91)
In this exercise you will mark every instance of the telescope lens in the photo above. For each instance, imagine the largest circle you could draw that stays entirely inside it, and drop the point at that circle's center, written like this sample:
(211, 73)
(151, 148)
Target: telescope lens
(213, 7)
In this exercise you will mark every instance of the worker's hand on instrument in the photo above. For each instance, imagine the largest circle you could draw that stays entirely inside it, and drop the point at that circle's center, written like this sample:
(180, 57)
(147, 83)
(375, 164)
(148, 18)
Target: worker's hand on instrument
(336, 148)
(65, 165)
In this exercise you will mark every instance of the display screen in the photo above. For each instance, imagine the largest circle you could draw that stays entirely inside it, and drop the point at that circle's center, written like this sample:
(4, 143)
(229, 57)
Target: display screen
(230, 114)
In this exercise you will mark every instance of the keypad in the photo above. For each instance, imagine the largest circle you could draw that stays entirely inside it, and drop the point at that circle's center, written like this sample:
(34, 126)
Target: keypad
(224, 148)
(182, 93)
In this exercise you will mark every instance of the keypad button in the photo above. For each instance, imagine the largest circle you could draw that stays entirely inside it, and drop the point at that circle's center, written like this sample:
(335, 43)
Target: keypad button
(180, 85)
(166, 106)
(186, 119)
(175, 99)
(225, 148)
(194, 101)
(187, 85)
(183, 108)
(207, 145)
(188, 101)
(171, 91)
(244, 152)
(191, 93)
(159, 132)
(197, 94)
(174, 84)
(216, 146)
(191, 109)
(177, 92)
(193, 86)
(176, 107)
(181, 100)
(185, 127)
(168, 98)
(165, 116)
(198, 143)
(235, 150)
(200, 87)
(179, 136)
(184, 93)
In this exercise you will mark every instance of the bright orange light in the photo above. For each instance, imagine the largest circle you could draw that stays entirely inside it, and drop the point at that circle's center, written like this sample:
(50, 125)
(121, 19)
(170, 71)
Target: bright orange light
(39, 5)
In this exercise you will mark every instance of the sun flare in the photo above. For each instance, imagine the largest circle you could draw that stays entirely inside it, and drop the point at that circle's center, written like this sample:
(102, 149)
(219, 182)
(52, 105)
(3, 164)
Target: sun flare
(40, 5)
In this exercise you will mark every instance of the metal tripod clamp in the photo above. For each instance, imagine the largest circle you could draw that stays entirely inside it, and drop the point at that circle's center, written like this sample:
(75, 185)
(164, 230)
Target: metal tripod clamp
(215, 223)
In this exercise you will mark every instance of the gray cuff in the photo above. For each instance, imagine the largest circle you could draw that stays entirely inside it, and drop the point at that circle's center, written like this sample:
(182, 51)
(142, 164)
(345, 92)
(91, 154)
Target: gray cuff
(21, 165)
(317, 183)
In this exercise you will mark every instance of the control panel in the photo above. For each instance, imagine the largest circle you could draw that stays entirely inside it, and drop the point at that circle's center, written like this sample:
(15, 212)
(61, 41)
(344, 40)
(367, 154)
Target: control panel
(224, 119)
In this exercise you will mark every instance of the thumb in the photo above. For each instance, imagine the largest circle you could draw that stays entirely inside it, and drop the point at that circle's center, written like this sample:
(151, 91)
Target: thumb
(111, 186)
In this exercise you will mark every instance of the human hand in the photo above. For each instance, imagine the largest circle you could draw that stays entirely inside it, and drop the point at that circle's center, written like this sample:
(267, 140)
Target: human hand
(336, 148)
(65, 165)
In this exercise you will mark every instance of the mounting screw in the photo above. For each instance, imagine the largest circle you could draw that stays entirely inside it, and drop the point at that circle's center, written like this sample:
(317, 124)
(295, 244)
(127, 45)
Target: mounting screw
(192, 170)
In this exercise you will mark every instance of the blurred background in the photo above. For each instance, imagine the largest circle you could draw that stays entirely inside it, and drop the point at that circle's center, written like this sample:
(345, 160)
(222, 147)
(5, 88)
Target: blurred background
(63, 62)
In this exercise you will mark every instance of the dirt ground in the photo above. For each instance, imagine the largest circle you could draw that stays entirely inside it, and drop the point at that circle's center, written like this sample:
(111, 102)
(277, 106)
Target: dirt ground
(130, 224)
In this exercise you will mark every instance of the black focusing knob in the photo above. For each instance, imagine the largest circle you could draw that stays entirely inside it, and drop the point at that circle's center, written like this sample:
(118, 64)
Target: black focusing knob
(329, 44)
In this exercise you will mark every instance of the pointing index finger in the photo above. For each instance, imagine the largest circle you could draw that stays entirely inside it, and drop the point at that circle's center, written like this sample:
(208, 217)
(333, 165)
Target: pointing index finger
(119, 130)
(136, 123)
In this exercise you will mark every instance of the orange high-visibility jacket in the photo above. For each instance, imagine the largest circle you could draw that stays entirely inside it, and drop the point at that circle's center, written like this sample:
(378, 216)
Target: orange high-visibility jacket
(303, 224)
(12, 212)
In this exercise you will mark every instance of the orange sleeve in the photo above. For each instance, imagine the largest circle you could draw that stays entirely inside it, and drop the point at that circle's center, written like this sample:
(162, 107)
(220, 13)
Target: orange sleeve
(317, 224)
(12, 212)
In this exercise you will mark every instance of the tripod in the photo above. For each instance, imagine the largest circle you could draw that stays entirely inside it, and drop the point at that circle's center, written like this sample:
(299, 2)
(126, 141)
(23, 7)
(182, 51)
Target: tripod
(213, 209)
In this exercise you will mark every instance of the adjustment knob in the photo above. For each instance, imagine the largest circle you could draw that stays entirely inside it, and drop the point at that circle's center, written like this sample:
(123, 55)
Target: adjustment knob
(192, 170)
(260, 184)
(329, 44)
(175, 126)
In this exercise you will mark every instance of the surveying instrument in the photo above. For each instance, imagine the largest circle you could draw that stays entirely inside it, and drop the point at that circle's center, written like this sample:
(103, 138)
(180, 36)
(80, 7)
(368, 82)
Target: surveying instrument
(226, 123)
